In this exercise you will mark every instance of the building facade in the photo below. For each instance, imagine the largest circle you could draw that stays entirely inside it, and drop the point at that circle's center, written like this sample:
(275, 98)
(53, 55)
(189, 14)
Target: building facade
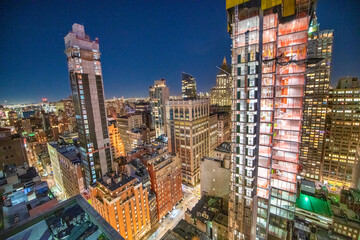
(123, 203)
(315, 101)
(342, 137)
(159, 94)
(116, 143)
(269, 48)
(188, 86)
(12, 150)
(66, 163)
(87, 89)
(165, 178)
(224, 127)
(215, 173)
(348, 82)
(213, 132)
(188, 135)
(125, 125)
(220, 95)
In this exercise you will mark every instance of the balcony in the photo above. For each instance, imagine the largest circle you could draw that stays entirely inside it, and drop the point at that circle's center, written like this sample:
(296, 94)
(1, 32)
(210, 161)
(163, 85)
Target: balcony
(285, 156)
(291, 69)
(266, 116)
(289, 91)
(287, 125)
(285, 166)
(287, 135)
(266, 128)
(264, 151)
(263, 173)
(265, 140)
(288, 103)
(291, 114)
(263, 193)
(267, 80)
(294, 53)
(267, 92)
(290, 80)
(263, 183)
(297, 25)
(283, 176)
(286, 146)
(267, 104)
(283, 185)
(264, 162)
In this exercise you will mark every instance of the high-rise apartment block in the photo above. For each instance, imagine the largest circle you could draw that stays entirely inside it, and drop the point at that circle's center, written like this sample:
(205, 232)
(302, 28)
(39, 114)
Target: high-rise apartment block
(116, 143)
(342, 136)
(87, 89)
(269, 51)
(315, 100)
(159, 94)
(188, 87)
(123, 203)
(165, 178)
(188, 134)
(221, 94)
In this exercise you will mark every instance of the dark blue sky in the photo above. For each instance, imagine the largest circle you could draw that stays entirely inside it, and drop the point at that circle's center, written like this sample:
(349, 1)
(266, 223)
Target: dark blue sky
(140, 41)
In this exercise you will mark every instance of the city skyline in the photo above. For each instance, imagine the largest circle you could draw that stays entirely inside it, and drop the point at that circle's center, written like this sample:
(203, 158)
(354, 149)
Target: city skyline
(201, 50)
(176, 121)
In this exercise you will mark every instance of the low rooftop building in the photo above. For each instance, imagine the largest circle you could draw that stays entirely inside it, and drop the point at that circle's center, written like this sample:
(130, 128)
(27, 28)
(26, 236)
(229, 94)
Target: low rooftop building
(185, 231)
(71, 219)
(203, 214)
(123, 202)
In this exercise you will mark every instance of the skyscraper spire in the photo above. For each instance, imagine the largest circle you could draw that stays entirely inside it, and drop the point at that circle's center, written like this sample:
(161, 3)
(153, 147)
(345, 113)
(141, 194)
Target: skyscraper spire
(224, 61)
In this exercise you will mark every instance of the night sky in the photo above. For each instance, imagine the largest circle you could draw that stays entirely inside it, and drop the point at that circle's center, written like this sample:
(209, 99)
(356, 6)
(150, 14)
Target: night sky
(140, 41)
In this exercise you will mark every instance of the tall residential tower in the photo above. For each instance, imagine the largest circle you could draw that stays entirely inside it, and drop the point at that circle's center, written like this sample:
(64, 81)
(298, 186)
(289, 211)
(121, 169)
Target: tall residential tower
(269, 55)
(87, 89)
(159, 94)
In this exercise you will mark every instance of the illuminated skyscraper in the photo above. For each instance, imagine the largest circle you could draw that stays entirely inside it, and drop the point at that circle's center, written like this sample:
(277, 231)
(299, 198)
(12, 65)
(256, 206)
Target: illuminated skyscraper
(159, 94)
(86, 82)
(188, 135)
(188, 86)
(315, 101)
(342, 136)
(221, 93)
(269, 48)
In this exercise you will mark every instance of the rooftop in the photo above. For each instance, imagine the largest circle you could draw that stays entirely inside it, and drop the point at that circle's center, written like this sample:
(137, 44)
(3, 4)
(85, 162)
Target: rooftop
(221, 219)
(206, 209)
(224, 147)
(115, 181)
(69, 151)
(71, 219)
(187, 231)
(313, 204)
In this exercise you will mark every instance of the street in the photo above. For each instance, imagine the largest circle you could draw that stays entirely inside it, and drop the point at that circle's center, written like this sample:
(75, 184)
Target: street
(191, 197)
